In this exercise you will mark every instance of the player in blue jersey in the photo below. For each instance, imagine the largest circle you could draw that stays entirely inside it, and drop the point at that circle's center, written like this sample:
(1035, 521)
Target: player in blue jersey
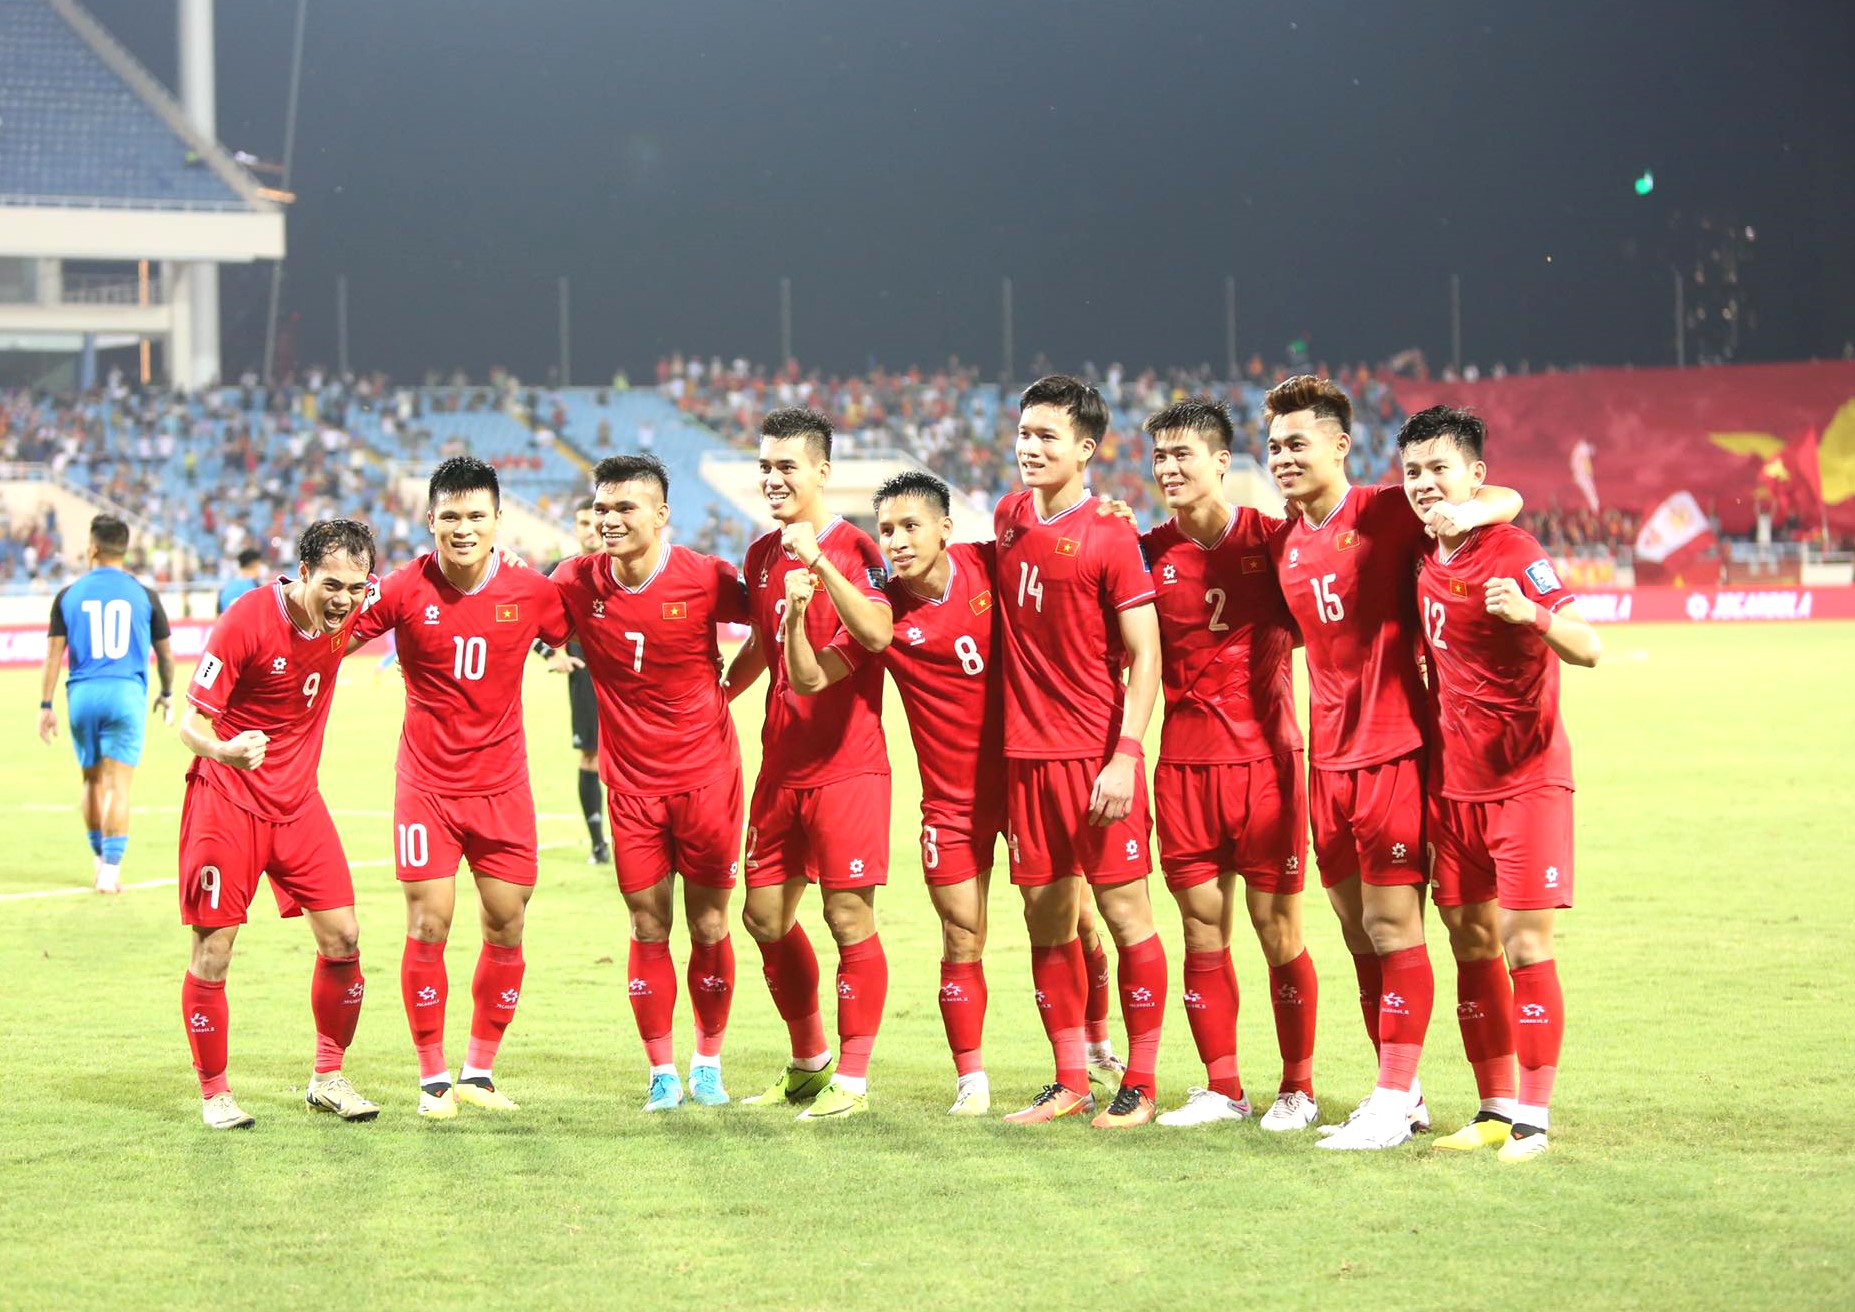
(250, 575)
(106, 623)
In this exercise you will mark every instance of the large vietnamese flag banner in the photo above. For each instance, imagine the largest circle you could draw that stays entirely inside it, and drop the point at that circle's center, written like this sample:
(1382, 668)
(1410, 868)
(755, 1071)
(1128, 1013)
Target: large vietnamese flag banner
(1636, 436)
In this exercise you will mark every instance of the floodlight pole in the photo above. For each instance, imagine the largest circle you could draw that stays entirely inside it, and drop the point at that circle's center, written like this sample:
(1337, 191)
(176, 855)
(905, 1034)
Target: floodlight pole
(1455, 323)
(289, 154)
(1230, 327)
(566, 334)
(341, 324)
(1006, 330)
(785, 321)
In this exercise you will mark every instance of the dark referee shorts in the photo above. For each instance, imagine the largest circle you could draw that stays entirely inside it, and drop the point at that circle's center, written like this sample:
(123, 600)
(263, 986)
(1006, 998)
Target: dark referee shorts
(585, 707)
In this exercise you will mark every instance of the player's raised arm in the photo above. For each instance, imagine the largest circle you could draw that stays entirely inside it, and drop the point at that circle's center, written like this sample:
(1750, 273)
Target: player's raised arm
(749, 663)
(1491, 504)
(867, 619)
(1114, 787)
(811, 672)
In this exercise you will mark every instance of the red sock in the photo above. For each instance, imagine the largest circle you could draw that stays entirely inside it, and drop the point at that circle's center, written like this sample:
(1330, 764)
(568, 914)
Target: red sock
(1485, 1014)
(1211, 1011)
(1143, 1009)
(1294, 989)
(1060, 975)
(1371, 981)
(653, 999)
(208, 1019)
(335, 993)
(1404, 1007)
(862, 988)
(424, 986)
(791, 969)
(1095, 1016)
(1539, 1034)
(711, 992)
(962, 1012)
(495, 988)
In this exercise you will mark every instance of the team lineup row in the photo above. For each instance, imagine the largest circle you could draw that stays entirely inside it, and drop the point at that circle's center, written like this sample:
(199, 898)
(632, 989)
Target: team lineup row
(1028, 668)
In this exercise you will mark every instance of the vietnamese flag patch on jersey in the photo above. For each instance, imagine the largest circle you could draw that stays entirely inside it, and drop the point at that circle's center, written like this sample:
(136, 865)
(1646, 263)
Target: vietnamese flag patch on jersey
(1349, 539)
(982, 603)
(1457, 588)
(508, 611)
(1254, 565)
(1067, 547)
(676, 610)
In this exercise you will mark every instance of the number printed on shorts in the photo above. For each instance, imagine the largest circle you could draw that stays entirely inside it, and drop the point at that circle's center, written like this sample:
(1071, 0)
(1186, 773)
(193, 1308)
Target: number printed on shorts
(930, 848)
(209, 885)
(469, 658)
(1434, 613)
(109, 628)
(415, 847)
(968, 651)
(1330, 607)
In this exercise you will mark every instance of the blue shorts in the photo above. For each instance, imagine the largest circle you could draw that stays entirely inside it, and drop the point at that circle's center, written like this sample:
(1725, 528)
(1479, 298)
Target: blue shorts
(108, 718)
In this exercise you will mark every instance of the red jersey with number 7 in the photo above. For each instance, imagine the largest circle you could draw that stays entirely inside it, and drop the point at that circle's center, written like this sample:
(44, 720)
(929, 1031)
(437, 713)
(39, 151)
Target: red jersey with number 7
(259, 671)
(1499, 731)
(1350, 582)
(463, 655)
(1062, 584)
(664, 726)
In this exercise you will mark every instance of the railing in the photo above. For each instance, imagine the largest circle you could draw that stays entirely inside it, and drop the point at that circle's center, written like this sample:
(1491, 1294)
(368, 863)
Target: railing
(43, 201)
(110, 289)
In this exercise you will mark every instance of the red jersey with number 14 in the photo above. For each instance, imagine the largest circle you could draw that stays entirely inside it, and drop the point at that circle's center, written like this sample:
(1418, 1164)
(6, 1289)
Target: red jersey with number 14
(463, 655)
(664, 726)
(943, 665)
(1499, 732)
(806, 742)
(1062, 583)
(1350, 583)
(259, 671)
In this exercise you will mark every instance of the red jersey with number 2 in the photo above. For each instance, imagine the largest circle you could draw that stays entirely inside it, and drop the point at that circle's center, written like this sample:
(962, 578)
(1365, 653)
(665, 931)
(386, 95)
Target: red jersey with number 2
(1350, 583)
(1499, 731)
(463, 655)
(259, 671)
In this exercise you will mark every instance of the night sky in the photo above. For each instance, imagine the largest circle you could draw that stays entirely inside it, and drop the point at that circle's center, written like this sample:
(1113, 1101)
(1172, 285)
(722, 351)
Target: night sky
(1341, 160)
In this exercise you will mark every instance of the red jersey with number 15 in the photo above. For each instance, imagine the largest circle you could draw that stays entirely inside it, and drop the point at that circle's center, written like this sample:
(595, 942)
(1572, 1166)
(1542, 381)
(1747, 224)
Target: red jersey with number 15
(463, 655)
(1350, 582)
(943, 666)
(1499, 731)
(1062, 583)
(806, 742)
(664, 726)
(259, 671)
(1228, 641)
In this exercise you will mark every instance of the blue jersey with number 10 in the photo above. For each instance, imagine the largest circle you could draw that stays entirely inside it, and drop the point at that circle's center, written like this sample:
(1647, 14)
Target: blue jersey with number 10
(111, 622)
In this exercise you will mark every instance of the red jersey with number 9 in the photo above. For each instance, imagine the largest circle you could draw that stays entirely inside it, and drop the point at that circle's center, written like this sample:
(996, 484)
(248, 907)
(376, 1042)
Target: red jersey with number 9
(1350, 582)
(259, 671)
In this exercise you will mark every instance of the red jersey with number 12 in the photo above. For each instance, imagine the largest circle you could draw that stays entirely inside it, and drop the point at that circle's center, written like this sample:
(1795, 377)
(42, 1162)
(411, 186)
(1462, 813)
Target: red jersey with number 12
(1350, 582)
(259, 671)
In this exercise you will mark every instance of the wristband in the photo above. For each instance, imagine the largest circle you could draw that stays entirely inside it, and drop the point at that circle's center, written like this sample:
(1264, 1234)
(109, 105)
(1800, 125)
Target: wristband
(1128, 747)
(167, 694)
(1542, 618)
(45, 706)
(814, 562)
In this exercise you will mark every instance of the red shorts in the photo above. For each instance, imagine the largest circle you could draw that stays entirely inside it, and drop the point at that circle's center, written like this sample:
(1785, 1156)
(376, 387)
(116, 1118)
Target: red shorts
(958, 840)
(1050, 835)
(836, 835)
(1250, 817)
(494, 833)
(1516, 851)
(224, 848)
(1369, 822)
(697, 834)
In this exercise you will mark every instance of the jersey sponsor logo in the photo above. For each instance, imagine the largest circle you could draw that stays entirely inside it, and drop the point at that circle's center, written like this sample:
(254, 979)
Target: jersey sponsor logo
(878, 577)
(1010, 536)
(431, 614)
(508, 612)
(1254, 564)
(1541, 574)
(1294, 557)
(915, 636)
(598, 608)
(1170, 574)
(1348, 540)
(207, 672)
(1457, 588)
(982, 603)
(676, 610)
(279, 664)
(1068, 547)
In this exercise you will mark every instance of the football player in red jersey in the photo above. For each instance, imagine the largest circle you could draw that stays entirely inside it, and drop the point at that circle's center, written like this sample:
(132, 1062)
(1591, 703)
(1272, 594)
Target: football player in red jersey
(646, 613)
(1346, 561)
(256, 710)
(1229, 792)
(464, 622)
(1076, 603)
(820, 808)
(1496, 623)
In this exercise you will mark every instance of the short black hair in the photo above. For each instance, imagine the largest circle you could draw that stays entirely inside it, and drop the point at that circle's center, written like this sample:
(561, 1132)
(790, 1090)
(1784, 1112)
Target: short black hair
(800, 421)
(109, 535)
(1087, 411)
(1196, 414)
(249, 557)
(330, 537)
(461, 474)
(1463, 427)
(584, 503)
(915, 483)
(631, 469)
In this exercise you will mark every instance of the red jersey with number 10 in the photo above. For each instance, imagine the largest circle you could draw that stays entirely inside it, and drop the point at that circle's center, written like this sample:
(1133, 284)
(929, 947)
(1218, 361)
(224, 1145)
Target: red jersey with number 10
(809, 741)
(463, 655)
(664, 726)
(1062, 583)
(943, 665)
(1350, 582)
(1228, 641)
(1499, 732)
(259, 671)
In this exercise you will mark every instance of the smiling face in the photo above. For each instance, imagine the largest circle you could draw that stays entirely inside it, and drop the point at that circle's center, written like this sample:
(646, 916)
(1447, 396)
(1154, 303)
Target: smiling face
(1050, 453)
(1440, 470)
(464, 527)
(631, 518)
(586, 530)
(1307, 453)
(334, 590)
(792, 477)
(1186, 468)
(913, 535)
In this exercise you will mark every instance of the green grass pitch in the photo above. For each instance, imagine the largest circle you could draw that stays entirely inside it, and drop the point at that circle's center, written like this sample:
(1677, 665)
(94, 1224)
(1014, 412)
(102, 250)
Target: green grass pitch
(1702, 1133)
